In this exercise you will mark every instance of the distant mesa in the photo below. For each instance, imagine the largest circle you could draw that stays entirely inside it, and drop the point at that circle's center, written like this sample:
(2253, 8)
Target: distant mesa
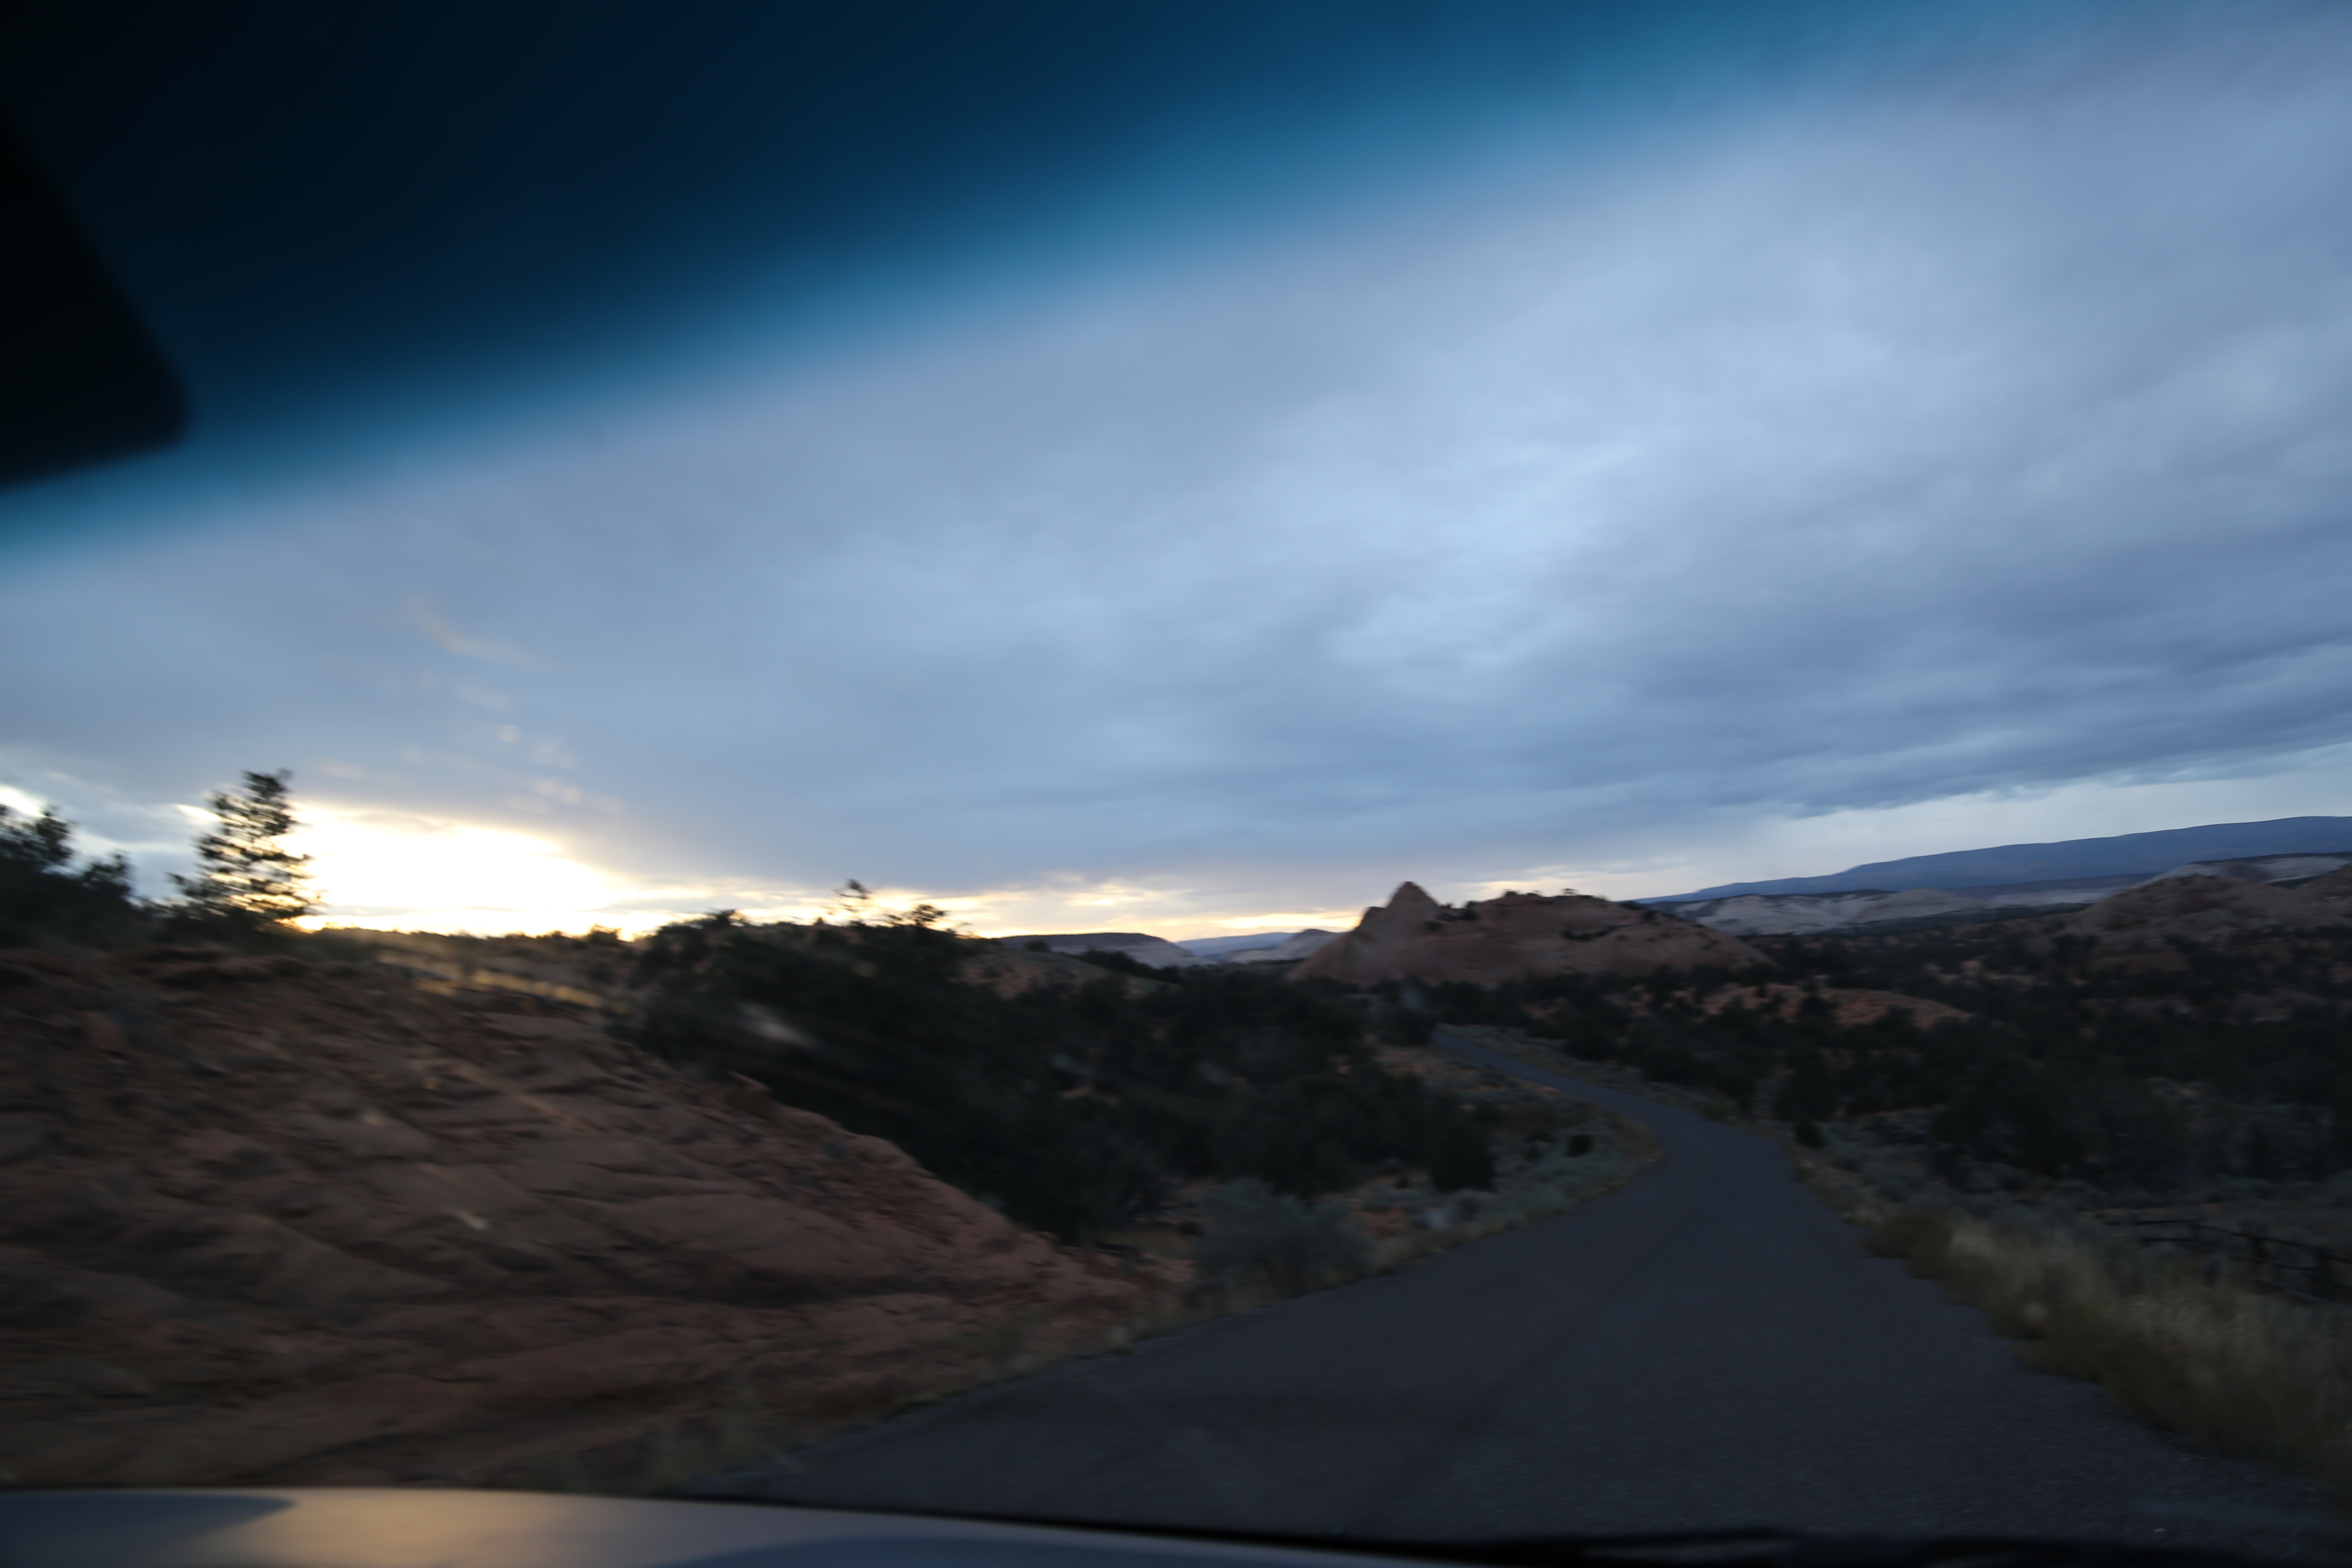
(1261, 947)
(2134, 857)
(1518, 936)
(1796, 914)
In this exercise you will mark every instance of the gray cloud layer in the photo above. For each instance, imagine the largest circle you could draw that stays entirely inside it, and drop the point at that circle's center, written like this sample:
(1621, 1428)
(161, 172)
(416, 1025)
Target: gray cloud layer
(1857, 450)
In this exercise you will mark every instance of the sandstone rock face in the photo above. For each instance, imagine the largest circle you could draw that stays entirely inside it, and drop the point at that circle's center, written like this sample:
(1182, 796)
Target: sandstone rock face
(1518, 936)
(260, 1222)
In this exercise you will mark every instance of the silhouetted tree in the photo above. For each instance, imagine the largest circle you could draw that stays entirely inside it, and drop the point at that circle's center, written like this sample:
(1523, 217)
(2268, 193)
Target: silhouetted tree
(249, 879)
(43, 894)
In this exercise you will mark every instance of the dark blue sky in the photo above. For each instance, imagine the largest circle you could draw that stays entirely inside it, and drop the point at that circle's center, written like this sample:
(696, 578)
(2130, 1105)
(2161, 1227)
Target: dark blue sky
(1154, 465)
(342, 219)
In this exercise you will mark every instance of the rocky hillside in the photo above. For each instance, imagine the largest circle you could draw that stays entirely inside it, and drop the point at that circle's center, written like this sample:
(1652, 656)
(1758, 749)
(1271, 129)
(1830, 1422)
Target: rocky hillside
(268, 1219)
(1514, 937)
(1298, 945)
(2176, 1045)
(2144, 927)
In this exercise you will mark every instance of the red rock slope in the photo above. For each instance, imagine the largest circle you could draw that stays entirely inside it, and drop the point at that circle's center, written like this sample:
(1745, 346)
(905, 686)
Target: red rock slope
(1514, 937)
(264, 1221)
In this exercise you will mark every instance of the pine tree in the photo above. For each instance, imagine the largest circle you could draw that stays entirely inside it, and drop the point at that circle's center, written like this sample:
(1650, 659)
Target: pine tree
(43, 895)
(249, 878)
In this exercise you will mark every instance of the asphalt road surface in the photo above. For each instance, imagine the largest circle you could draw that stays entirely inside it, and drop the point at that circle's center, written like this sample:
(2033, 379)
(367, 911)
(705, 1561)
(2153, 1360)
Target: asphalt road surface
(1708, 1346)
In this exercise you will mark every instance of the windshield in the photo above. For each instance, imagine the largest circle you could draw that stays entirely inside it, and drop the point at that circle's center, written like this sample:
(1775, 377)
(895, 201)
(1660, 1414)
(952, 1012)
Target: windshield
(1379, 770)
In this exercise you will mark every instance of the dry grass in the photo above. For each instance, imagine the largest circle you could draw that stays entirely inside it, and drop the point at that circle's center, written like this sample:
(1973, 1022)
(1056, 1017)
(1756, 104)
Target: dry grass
(2254, 1376)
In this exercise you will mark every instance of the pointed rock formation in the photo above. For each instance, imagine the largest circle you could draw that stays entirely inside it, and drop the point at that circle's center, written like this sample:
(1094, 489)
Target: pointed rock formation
(1518, 936)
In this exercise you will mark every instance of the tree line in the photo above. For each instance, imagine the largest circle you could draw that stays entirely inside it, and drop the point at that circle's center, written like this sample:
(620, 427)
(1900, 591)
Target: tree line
(2066, 1067)
(1073, 1108)
(248, 883)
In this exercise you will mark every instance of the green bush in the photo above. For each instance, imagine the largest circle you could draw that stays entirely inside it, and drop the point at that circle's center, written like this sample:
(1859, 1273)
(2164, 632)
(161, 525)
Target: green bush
(1462, 1158)
(1252, 1235)
(1077, 1107)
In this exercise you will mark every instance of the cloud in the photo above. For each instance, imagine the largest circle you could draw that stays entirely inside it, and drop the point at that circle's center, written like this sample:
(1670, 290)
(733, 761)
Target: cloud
(449, 639)
(1858, 450)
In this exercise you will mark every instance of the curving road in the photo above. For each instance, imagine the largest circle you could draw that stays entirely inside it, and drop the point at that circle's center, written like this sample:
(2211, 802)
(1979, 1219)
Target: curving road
(1705, 1347)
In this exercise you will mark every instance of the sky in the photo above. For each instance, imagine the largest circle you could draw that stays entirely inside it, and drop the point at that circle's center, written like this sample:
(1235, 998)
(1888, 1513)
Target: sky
(1193, 477)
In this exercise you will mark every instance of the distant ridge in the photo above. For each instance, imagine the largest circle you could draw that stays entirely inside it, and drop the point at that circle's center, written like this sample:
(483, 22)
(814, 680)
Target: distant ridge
(1226, 946)
(2126, 853)
(1151, 950)
(1260, 947)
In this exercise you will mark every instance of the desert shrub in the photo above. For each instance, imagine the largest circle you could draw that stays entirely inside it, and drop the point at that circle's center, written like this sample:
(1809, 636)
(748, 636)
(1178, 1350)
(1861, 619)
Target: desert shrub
(1322, 1131)
(1461, 1157)
(1253, 1235)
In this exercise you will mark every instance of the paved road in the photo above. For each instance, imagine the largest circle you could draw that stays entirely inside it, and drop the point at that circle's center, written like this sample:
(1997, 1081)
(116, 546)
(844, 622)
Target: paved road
(1708, 1346)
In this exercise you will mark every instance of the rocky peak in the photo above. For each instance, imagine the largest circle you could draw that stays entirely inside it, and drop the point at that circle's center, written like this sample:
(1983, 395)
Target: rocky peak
(1407, 907)
(1516, 936)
